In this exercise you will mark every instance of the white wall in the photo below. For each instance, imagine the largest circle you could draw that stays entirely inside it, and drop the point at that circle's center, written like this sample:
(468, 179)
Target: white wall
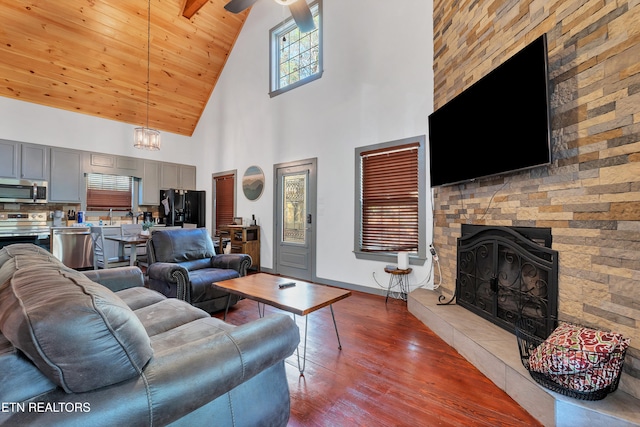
(377, 86)
(37, 124)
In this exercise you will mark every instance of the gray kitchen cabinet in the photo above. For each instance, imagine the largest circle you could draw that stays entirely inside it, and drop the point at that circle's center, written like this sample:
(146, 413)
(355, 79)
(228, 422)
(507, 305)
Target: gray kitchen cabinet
(34, 162)
(24, 161)
(111, 164)
(67, 180)
(187, 177)
(178, 176)
(169, 176)
(150, 184)
(9, 157)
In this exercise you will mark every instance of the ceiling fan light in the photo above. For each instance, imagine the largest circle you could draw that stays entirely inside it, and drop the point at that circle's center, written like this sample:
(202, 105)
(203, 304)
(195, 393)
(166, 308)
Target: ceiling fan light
(285, 2)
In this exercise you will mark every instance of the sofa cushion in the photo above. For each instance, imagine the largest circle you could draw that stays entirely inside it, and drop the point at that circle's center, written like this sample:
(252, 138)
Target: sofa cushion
(77, 332)
(196, 264)
(139, 297)
(167, 314)
(182, 244)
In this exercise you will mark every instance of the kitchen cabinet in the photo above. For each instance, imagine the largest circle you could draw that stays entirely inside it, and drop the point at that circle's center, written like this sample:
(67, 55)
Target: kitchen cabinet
(34, 162)
(187, 177)
(9, 156)
(111, 164)
(24, 161)
(67, 180)
(181, 177)
(169, 176)
(65, 169)
(150, 184)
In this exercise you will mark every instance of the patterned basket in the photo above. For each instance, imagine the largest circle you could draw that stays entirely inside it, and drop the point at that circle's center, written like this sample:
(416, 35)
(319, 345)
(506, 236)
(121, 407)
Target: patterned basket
(574, 360)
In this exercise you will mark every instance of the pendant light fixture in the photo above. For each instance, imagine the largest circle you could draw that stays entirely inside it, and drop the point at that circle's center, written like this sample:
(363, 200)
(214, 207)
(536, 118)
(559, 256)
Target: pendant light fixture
(144, 137)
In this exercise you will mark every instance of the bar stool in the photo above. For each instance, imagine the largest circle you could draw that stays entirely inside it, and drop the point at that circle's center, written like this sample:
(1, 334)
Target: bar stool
(99, 258)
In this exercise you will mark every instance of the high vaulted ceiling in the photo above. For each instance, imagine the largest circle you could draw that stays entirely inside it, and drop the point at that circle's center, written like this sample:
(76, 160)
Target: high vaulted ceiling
(90, 56)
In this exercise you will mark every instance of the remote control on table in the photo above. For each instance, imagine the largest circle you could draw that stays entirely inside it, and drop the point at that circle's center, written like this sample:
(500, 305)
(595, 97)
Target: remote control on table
(286, 285)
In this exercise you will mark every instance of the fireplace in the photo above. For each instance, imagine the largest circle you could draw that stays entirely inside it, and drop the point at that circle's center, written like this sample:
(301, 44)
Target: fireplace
(505, 274)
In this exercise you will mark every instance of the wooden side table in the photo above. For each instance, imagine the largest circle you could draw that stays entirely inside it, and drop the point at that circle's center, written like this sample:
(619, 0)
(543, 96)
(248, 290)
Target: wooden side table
(244, 239)
(398, 279)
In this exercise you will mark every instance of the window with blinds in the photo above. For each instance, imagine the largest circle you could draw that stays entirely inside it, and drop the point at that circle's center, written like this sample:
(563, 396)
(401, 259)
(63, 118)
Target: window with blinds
(390, 196)
(109, 192)
(390, 199)
(224, 199)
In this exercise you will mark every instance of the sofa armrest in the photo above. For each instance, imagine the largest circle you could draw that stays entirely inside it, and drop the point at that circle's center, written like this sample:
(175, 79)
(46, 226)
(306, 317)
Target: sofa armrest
(170, 279)
(117, 279)
(212, 366)
(237, 262)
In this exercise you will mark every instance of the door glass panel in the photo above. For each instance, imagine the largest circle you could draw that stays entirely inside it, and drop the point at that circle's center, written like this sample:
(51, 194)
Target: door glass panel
(294, 209)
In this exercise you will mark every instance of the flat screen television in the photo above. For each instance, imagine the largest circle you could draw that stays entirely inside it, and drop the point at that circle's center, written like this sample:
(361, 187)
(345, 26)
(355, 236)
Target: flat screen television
(499, 124)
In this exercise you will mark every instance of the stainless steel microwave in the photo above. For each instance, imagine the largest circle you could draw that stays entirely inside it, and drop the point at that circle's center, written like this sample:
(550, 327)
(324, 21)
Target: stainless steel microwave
(22, 191)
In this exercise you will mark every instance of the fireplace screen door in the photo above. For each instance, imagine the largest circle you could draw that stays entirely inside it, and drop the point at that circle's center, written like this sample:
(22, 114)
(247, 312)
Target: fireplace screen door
(503, 276)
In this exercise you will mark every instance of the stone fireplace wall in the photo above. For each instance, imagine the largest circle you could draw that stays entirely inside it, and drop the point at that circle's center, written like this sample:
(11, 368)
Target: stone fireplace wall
(590, 196)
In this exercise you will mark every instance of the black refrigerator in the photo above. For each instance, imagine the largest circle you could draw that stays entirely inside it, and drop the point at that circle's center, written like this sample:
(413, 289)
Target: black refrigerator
(179, 207)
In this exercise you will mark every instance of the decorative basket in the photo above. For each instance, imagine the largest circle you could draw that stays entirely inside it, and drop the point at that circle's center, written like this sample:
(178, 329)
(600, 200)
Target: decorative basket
(573, 360)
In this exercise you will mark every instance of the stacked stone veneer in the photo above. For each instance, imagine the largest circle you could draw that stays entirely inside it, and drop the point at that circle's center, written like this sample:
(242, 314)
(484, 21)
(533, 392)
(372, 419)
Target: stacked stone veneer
(590, 195)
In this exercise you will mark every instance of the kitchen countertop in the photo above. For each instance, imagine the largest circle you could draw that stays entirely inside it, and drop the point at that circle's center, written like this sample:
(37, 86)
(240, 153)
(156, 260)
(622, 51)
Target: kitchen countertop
(86, 226)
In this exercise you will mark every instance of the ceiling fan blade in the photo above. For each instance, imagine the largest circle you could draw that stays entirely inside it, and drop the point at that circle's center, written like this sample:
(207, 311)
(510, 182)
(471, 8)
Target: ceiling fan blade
(302, 15)
(237, 6)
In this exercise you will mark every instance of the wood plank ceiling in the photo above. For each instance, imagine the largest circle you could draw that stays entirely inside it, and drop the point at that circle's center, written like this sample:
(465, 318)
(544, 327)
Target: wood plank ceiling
(90, 56)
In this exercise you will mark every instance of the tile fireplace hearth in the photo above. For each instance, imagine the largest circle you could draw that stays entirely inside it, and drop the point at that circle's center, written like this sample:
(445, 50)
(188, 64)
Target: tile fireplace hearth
(494, 352)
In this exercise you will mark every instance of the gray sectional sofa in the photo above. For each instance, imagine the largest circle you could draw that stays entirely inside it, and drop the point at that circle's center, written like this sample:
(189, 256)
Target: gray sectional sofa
(99, 349)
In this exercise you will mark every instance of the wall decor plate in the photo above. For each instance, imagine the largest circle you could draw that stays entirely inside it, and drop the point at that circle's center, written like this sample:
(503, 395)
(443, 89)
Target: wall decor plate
(253, 182)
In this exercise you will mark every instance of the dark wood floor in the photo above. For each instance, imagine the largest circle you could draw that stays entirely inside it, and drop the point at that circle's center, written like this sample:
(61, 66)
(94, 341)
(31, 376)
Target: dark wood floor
(392, 371)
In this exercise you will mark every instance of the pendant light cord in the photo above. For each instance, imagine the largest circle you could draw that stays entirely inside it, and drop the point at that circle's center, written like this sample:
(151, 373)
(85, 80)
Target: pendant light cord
(148, 56)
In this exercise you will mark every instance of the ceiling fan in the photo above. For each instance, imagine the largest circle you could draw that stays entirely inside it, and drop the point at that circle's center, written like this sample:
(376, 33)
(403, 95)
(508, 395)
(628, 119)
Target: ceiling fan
(299, 10)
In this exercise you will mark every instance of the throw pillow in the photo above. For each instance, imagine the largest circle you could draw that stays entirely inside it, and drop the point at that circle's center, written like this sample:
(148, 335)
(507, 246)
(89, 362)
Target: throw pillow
(571, 349)
(77, 332)
(596, 378)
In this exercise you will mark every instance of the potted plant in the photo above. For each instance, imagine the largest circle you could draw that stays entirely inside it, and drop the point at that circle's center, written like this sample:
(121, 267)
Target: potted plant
(145, 227)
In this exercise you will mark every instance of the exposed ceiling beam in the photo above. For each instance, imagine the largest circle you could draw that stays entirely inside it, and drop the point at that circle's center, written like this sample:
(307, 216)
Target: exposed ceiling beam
(192, 6)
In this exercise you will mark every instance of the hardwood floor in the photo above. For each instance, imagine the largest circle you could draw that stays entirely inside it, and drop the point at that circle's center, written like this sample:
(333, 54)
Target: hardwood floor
(392, 371)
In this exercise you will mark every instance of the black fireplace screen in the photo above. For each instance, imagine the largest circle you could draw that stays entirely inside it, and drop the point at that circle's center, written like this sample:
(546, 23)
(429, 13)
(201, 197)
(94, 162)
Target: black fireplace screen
(506, 274)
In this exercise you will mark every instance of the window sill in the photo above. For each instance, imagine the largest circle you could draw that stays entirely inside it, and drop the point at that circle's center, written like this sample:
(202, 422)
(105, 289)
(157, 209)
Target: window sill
(296, 84)
(388, 257)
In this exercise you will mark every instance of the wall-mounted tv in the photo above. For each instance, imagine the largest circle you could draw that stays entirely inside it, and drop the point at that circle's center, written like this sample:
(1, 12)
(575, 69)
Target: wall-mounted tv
(499, 124)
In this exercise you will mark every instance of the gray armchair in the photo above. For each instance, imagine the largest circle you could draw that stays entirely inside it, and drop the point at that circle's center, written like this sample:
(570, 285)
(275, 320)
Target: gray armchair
(183, 264)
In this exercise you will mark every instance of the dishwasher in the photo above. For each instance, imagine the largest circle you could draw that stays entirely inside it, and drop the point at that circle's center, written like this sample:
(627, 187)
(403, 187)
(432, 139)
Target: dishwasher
(73, 246)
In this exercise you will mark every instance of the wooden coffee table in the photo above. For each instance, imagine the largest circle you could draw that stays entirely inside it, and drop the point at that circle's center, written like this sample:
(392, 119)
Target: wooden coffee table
(301, 299)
